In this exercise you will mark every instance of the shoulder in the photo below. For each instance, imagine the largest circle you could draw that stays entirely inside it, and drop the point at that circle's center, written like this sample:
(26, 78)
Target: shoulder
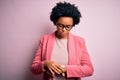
(78, 38)
(47, 36)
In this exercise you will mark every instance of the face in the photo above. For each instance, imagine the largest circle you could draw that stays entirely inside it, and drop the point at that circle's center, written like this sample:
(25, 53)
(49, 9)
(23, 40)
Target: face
(64, 25)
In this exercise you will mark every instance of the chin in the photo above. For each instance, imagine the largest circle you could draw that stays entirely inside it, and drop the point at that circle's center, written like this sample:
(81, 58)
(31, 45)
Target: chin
(63, 35)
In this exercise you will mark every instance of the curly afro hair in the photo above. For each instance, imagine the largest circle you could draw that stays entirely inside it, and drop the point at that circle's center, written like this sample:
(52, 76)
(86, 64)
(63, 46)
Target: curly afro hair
(65, 9)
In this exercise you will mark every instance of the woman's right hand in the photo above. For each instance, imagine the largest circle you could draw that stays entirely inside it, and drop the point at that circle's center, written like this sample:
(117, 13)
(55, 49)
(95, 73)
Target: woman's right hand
(53, 67)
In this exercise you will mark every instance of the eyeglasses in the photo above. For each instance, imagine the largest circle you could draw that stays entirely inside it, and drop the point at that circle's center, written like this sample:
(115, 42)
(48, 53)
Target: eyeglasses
(61, 26)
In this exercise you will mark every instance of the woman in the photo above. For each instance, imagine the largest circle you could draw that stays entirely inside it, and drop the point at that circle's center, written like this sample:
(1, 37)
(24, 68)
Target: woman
(61, 55)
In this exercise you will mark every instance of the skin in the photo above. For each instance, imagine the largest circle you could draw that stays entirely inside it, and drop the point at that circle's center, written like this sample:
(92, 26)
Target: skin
(66, 21)
(52, 66)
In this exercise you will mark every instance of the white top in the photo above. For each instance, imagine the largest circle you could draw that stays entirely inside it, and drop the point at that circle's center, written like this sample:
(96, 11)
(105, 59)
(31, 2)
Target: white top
(60, 55)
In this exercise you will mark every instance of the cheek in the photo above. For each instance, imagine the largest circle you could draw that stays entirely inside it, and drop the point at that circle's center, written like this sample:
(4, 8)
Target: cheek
(59, 30)
(67, 32)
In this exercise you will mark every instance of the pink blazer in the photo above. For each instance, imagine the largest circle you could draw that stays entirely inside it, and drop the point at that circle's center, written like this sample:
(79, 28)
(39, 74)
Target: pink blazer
(79, 63)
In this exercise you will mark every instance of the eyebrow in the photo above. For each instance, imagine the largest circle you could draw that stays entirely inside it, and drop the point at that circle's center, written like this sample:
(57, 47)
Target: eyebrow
(63, 24)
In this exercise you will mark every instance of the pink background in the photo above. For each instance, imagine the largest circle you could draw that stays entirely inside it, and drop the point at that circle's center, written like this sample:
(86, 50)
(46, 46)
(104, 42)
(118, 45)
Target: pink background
(22, 22)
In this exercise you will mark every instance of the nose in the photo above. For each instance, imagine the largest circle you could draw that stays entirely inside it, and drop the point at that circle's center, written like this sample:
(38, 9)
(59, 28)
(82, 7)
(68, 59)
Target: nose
(63, 29)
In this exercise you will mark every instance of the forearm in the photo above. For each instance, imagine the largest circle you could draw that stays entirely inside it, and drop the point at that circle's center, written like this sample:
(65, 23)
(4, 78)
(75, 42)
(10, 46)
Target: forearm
(79, 71)
(37, 67)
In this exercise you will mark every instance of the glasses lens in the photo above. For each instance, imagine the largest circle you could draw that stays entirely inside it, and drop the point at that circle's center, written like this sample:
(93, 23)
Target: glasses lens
(60, 26)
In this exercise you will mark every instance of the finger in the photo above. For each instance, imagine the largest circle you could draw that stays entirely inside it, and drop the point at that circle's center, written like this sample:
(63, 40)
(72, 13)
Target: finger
(57, 69)
(63, 74)
(63, 68)
(51, 71)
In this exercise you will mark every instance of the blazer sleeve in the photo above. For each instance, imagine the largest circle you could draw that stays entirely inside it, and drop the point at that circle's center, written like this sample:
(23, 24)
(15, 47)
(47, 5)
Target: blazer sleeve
(37, 66)
(85, 68)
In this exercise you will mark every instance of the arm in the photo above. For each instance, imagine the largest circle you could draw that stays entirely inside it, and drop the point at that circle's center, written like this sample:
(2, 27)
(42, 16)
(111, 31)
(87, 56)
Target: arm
(37, 66)
(40, 65)
(85, 67)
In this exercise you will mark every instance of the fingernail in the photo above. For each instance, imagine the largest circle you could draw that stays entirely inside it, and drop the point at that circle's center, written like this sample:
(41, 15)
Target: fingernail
(63, 74)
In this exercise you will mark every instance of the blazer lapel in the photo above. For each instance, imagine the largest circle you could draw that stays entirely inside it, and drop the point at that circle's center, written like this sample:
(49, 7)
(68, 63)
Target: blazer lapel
(50, 46)
(72, 55)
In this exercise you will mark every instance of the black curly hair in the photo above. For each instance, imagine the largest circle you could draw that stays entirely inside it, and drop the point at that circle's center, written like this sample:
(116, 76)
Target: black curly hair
(65, 9)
